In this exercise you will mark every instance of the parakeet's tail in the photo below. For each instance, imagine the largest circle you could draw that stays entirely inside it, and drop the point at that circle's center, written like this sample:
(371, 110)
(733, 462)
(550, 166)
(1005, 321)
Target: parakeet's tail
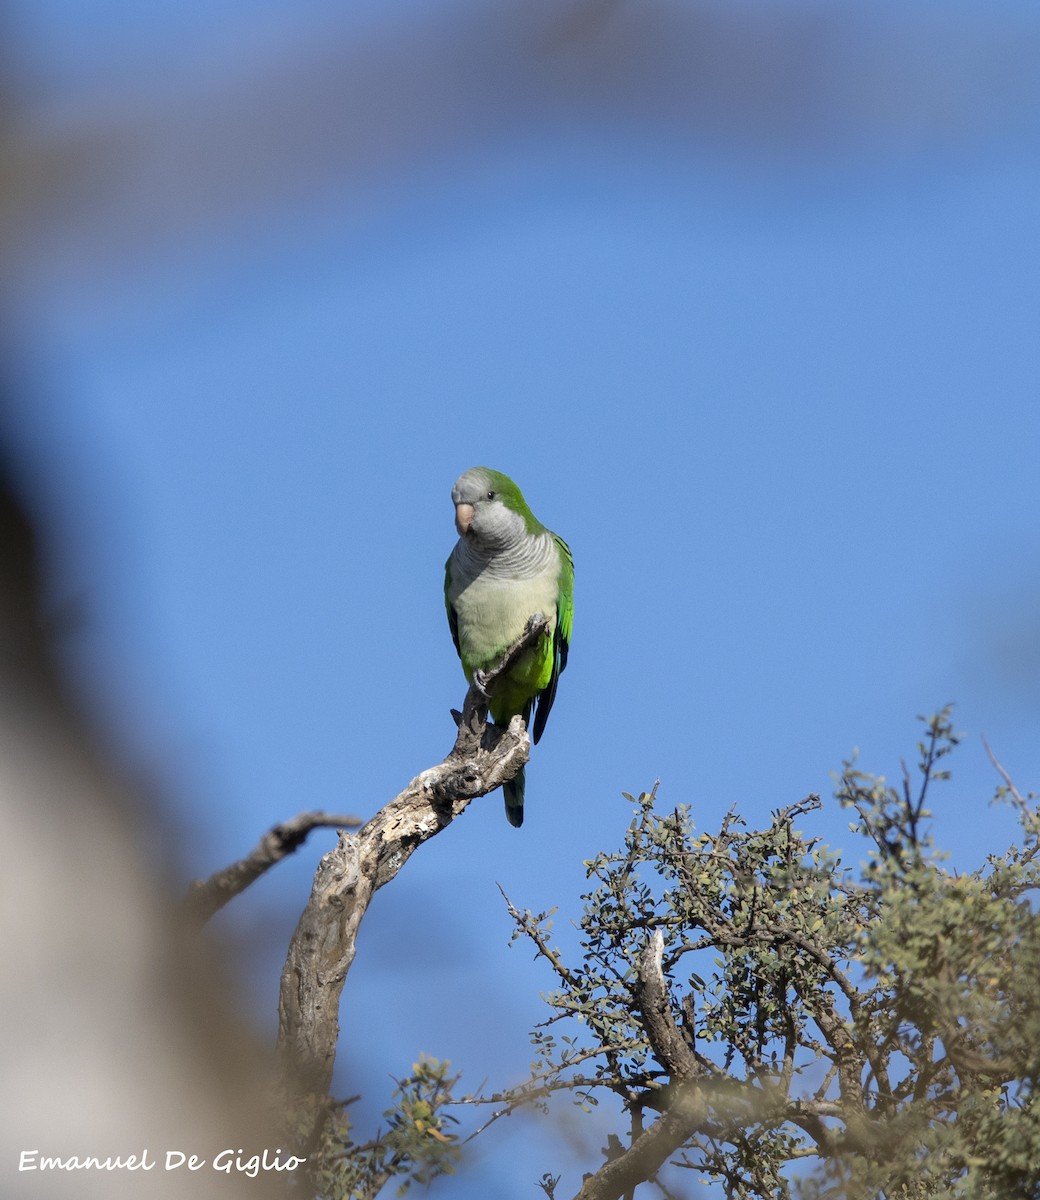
(514, 795)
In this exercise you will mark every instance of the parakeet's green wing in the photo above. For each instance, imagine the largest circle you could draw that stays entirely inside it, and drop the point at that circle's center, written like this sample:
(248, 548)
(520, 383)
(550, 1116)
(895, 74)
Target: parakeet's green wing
(453, 617)
(561, 638)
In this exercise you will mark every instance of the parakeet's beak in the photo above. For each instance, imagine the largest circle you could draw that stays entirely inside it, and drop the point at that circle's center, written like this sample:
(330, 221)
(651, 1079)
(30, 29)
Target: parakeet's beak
(463, 517)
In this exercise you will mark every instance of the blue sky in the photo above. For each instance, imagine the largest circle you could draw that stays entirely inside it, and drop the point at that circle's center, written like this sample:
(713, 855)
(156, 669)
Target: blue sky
(767, 359)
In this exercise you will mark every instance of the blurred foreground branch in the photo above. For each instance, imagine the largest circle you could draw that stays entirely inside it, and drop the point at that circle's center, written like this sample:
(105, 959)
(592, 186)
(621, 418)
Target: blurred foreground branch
(118, 1031)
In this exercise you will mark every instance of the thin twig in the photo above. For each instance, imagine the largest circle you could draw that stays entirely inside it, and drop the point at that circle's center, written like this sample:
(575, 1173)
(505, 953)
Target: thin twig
(531, 929)
(1013, 792)
(205, 897)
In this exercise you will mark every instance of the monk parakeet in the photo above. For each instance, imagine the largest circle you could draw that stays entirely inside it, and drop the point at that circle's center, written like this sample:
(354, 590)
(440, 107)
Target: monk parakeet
(506, 566)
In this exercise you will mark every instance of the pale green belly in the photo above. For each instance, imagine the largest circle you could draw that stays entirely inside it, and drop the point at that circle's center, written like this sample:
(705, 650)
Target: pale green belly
(492, 615)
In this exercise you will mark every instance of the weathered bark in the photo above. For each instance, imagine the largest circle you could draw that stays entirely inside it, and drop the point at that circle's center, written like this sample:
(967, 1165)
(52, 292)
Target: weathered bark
(323, 945)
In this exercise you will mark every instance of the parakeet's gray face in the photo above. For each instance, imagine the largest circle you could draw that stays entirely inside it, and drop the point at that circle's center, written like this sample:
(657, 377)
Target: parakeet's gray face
(480, 514)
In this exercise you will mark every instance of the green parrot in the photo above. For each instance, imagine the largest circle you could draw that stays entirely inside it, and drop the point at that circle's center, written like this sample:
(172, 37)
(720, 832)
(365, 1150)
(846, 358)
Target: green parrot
(505, 567)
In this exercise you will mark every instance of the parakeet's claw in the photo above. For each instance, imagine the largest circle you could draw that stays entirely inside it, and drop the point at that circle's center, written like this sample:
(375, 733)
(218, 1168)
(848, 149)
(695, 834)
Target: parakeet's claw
(480, 682)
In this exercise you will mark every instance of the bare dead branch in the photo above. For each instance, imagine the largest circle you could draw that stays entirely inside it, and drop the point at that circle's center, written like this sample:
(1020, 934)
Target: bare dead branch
(651, 995)
(205, 897)
(323, 946)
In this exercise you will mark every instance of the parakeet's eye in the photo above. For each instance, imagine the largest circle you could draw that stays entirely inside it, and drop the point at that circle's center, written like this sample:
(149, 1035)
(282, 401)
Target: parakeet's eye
(491, 495)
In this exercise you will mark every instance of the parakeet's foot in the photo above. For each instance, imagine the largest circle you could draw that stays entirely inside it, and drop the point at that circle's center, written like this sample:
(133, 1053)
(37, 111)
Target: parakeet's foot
(480, 683)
